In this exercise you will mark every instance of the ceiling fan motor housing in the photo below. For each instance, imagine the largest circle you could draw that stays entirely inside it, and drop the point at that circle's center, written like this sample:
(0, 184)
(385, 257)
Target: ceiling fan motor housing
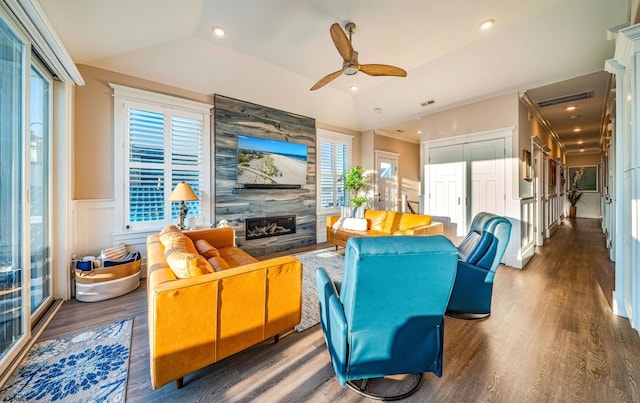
(351, 67)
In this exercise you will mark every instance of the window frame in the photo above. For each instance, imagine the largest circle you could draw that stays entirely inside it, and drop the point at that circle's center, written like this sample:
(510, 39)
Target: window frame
(325, 136)
(127, 96)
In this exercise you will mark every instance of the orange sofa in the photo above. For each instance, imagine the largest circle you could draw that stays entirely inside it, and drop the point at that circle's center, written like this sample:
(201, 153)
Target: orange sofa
(199, 320)
(384, 223)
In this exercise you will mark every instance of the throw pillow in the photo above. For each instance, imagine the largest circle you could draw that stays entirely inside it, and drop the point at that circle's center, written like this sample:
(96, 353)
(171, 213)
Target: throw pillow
(115, 253)
(171, 240)
(185, 264)
(206, 249)
(355, 224)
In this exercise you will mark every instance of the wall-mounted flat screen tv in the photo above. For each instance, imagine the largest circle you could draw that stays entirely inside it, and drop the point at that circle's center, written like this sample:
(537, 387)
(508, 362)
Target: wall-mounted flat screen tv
(271, 162)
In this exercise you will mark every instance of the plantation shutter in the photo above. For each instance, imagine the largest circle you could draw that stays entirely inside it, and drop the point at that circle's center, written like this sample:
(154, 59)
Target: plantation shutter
(146, 165)
(334, 160)
(165, 146)
(187, 159)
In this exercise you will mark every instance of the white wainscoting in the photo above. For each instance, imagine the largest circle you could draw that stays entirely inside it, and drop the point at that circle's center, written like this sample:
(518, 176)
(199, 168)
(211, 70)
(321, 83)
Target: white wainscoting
(553, 218)
(93, 223)
(321, 226)
(527, 234)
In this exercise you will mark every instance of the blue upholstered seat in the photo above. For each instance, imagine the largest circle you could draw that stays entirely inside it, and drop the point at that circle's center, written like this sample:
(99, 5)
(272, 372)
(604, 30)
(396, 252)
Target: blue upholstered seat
(480, 255)
(388, 317)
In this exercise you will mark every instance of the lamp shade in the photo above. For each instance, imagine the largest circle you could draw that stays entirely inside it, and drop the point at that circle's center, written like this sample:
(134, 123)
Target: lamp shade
(183, 192)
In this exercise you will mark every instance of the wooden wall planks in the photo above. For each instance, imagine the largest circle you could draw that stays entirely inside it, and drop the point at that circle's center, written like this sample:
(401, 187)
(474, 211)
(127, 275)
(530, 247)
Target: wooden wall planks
(234, 117)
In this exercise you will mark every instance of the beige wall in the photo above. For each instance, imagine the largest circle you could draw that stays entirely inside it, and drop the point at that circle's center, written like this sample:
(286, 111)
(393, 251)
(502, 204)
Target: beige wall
(409, 165)
(93, 147)
(490, 114)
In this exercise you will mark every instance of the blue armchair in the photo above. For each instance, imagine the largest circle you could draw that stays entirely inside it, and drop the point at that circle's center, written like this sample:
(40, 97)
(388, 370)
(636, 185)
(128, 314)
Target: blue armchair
(388, 317)
(480, 255)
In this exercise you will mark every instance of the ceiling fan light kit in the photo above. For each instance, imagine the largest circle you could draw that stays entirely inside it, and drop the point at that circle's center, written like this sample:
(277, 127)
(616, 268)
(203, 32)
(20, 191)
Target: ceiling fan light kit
(350, 64)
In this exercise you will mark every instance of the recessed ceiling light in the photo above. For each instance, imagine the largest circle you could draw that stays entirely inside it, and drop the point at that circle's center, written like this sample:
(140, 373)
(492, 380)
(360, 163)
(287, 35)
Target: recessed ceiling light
(582, 150)
(377, 110)
(570, 108)
(419, 131)
(218, 31)
(575, 116)
(487, 24)
(580, 142)
(577, 129)
(354, 88)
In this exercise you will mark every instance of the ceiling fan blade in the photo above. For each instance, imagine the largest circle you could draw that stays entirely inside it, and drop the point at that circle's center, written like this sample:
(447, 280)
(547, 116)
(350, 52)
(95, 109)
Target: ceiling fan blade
(341, 41)
(326, 80)
(382, 70)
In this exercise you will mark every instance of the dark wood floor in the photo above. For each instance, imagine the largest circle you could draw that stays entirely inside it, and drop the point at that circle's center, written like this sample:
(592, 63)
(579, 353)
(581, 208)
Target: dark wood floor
(552, 337)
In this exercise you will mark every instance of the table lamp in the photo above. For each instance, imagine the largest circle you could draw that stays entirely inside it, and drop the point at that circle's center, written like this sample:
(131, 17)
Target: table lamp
(182, 193)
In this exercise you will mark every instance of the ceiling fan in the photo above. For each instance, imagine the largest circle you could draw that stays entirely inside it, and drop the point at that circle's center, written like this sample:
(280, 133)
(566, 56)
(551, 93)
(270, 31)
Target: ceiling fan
(350, 65)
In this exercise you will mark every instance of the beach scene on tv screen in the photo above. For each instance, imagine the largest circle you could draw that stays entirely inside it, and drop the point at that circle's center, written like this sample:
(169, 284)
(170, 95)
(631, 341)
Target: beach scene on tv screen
(271, 162)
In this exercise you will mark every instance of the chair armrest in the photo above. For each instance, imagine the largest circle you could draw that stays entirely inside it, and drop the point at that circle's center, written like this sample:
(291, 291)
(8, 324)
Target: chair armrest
(334, 323)
(470, 271)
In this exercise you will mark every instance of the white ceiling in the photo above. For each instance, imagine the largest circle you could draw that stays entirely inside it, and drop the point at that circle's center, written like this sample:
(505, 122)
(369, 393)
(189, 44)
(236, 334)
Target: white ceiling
(275, 50)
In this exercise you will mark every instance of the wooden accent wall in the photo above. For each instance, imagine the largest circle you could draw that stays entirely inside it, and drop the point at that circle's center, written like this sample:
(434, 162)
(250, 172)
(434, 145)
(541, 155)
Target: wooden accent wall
(234, 117)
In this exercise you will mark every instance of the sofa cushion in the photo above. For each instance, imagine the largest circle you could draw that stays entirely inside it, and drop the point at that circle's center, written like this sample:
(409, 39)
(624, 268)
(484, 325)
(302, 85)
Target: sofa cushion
(413, 220)
(376, 219)
(218, 263)
(236, 257)
(206, 249)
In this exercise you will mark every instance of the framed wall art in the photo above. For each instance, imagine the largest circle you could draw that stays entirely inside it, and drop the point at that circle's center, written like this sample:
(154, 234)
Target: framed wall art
(527, 170)
(584, 178)
(552, 173)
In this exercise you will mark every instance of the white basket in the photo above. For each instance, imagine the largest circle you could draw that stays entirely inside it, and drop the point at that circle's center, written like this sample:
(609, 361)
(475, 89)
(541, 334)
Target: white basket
(107, 289)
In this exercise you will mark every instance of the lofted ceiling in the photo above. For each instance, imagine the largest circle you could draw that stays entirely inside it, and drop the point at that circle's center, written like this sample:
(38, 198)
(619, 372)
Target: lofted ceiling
(275, 50)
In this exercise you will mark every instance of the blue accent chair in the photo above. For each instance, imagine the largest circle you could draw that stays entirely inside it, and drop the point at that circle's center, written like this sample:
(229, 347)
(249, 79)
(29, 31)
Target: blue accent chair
(480, 255)
(388, 317)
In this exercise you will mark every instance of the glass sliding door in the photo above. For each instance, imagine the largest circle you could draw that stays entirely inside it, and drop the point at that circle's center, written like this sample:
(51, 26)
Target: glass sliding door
(39, 189)
(12, 311)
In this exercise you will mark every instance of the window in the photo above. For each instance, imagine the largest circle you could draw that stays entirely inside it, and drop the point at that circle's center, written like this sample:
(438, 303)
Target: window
(334, 159)
(165, 140)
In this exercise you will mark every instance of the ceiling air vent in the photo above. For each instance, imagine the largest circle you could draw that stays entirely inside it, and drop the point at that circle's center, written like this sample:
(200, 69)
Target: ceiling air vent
(566, 98)
(426, 103)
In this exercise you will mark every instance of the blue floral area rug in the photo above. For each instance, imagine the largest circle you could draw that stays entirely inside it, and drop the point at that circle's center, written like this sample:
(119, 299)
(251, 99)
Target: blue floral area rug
(333, 263)
(86, 366)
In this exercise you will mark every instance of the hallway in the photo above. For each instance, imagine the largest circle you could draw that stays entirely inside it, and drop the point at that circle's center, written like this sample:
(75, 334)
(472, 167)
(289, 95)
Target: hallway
(551, 337)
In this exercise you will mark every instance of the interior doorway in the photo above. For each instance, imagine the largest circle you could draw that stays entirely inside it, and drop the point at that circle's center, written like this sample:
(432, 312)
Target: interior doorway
(386, 181)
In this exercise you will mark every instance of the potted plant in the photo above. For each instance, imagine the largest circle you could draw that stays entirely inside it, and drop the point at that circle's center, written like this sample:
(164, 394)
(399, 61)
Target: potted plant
(356, 181)
(573, 196)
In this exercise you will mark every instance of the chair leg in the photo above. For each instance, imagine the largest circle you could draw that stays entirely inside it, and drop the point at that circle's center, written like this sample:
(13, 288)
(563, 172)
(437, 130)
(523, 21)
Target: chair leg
(468, 315)
(276, 338)
(179, 383)
(363, 388)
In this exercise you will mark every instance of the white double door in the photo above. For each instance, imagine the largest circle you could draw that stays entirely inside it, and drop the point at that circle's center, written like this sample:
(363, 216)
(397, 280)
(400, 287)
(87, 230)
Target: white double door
(465, 179)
